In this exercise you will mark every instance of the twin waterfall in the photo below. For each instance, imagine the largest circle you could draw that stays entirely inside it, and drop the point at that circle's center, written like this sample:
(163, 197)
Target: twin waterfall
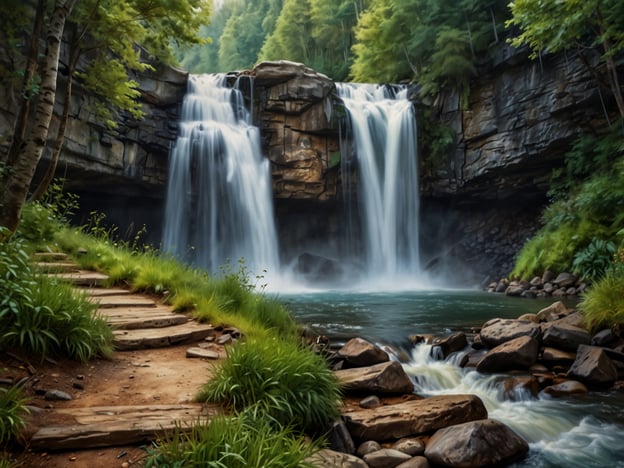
(219, 205)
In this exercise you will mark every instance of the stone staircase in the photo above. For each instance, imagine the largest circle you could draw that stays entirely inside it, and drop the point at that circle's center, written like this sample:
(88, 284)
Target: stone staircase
(138, 323)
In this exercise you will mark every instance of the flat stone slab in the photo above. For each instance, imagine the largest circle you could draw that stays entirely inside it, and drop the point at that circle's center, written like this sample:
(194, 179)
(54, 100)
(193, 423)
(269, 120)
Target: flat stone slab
(57, 267)
(50, 256)
(102, 426)
(414, 417)
(123, 300)
(132, 319)
(126, 340)
(100, 292)
(83, 278)
(201, 353)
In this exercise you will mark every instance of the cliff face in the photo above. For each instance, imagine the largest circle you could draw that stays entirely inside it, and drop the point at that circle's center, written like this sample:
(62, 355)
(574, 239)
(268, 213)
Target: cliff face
(520, 118)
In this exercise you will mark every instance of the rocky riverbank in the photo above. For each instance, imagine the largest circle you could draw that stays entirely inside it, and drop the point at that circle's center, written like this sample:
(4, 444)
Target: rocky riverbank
(385, 424)
(550, 284)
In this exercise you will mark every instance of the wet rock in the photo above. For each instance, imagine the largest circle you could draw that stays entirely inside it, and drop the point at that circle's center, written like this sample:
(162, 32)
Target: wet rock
(411, 446)
(552, 312)
(556, 357)
(593, 367)
(372, 401)
(385, 378)
(502, 286)
(569, 387)
(57, 395)
(477, 443)
(518, 388)
(385, 458)
(449, 345)
(565, 280)
(414, 417)
(340, 439)
(519, 353)
(498, 331)
(415, 462)
(368, 447)
(358, 352)
(548, 276)
(536, 281)
(326, 457)
(604, 337)
(566, 337)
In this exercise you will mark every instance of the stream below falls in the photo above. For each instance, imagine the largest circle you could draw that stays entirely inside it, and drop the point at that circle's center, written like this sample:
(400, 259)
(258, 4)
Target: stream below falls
(580, 431)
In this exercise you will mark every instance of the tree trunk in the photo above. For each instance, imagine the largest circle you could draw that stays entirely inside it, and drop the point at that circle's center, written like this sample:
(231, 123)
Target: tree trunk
(60, 134)
(21, 173)
(32, 61)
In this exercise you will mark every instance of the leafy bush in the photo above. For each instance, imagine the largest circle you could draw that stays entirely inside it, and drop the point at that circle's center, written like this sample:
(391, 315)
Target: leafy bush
(43, 316)
(290, 383)
(592, 262)
(246, 440)
(12, 411)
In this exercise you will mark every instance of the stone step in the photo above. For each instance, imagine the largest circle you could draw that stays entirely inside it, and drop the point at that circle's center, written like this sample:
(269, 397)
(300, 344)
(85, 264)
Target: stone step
(57, 267)
(50, 256)
(83, 278)
(107, 426)
(123, 300)
(99, 292)
(130, 319)
(127, 340)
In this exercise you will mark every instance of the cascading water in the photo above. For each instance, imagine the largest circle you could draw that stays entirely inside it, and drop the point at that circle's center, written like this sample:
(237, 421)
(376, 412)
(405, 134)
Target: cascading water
(384, 137)
(219, 204)
(570, 432)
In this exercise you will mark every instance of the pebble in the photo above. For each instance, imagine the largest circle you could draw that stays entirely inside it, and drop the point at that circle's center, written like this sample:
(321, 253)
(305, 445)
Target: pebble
(57, 395)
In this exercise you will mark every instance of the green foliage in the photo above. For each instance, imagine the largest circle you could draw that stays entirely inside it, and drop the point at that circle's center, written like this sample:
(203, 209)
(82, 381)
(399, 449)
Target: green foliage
(12, 411)
(593, 261)
(280, 377)
(44, 317)
(603, 304)
(245, 440)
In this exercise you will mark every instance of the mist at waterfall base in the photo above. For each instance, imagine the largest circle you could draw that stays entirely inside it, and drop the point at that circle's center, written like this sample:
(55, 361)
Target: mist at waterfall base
(219, 209)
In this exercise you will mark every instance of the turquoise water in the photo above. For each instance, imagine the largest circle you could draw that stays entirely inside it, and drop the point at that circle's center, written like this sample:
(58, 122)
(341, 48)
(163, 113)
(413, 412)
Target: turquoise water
(576, 432)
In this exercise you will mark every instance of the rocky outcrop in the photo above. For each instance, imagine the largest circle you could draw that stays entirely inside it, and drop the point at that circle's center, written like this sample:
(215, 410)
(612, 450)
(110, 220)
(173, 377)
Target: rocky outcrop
(386, 378)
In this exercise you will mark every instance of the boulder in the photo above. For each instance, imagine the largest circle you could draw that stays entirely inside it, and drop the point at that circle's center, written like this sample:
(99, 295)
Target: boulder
(569, 387)
(529, 318)
(414, 417)
(385, 378)
(552, 312)
(518, 388)
(385, 458)
(566, 337)
(565, 280)
(368, 447)
(498, 331)
(339, 438)
(415, 462)
(477, 443)
(411, 446)
(449, 345)
(548, 276)
(556, 357)
(604, 337)
(326, 457)
(519, 353)
(593, 367)
(358, 352)
(574, 319)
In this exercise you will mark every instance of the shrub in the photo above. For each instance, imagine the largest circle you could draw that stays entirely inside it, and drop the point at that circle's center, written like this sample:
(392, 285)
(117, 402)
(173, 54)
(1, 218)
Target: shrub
(12, 411)
(246, 440)
(592, 262)
(43, 316)
(603, 304)
(287, 381)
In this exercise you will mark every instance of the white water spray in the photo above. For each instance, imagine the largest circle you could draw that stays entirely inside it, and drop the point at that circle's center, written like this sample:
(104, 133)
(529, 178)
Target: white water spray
(384, 134)
(219, 205)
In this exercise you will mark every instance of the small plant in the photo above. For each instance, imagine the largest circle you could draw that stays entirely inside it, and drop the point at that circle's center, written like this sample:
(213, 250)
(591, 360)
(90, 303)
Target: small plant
(246, 440)
(603, 304)
(593, 261)
(290, 383)
(12, 411)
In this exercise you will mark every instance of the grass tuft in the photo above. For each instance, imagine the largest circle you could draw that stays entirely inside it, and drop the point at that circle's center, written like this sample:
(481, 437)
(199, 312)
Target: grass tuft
(603, 304)
(12, 411)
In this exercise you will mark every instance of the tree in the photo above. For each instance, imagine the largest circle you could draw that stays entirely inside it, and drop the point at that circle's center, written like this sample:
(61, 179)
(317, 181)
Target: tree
(291, 39)
(110, 31)
(574, 24)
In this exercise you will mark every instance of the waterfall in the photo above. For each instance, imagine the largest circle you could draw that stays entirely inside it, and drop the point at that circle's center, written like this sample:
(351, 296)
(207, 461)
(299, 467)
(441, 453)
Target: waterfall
(384, 137)
(219, 206)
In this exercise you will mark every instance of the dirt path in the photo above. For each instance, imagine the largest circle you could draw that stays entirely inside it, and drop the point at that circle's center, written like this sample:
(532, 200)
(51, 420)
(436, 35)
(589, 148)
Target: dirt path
(155, 378)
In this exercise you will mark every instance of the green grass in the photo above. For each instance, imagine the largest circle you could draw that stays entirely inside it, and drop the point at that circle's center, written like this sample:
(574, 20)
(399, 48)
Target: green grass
(12, 412)
(603, 304)
(282, 378)
(246, 440)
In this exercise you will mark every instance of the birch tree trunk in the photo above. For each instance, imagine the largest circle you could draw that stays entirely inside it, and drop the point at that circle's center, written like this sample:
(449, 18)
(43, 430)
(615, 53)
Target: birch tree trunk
(20, 174)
